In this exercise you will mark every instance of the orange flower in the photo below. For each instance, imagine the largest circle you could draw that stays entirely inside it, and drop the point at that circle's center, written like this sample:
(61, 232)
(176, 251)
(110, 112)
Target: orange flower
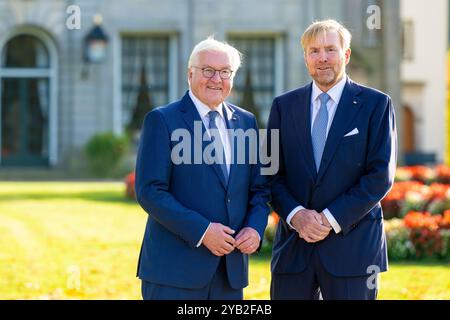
(438, 191)
(420, 173)
(399, 190)
(275, 217)
(416, 219)
(443, 173)
(445, 221)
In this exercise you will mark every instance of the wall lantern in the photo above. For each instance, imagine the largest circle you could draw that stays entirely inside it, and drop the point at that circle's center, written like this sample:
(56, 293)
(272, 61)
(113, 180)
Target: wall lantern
(95, 43)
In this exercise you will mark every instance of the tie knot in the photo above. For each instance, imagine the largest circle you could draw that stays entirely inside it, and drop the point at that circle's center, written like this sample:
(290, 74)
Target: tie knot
(324, 97)
(212, 115)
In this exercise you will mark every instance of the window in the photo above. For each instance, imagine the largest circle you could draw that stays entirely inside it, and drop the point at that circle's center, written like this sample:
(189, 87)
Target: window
(25, 51)
(27, 100)
(145, 77)
(255, 83)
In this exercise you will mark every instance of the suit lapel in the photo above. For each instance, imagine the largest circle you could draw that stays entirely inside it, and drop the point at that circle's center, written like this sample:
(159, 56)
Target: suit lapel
(190, 116)
(346, 111)
(301, 116)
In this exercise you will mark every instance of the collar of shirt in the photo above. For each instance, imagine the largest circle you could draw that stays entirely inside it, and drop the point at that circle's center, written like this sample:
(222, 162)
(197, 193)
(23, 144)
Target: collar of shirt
(335, 94)
(203, 109)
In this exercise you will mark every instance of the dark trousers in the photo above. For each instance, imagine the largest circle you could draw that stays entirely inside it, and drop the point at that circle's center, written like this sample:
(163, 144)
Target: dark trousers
(217, 289)
(315, 283)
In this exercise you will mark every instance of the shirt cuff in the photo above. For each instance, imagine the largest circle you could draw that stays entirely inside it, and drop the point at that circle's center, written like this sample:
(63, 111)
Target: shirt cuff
(291, 215)
(201, 239)
(336, 227)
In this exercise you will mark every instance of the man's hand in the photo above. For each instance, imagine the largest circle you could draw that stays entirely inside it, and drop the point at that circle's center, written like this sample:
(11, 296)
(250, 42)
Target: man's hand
(325, 221)
(309, 225)
(218, 239)
(247, 240)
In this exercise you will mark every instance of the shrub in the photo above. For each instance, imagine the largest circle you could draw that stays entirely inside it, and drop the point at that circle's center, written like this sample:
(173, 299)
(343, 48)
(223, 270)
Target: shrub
(104, 152)
(427, 242)
(445, 248)
(399, 245)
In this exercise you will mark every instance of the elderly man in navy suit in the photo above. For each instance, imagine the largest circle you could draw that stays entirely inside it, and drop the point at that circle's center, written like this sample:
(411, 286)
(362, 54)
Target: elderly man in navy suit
(206, 211)
(337, 161)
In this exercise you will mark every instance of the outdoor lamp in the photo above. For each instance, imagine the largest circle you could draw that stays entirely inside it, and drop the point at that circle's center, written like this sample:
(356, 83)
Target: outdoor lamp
(95, 43)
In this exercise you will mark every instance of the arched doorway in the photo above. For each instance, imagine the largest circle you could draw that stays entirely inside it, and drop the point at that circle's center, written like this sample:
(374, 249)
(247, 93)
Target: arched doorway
(27, 100)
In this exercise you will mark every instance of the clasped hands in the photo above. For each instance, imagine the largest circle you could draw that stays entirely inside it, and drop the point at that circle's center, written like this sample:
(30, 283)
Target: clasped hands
(218, 239)
(311, 225)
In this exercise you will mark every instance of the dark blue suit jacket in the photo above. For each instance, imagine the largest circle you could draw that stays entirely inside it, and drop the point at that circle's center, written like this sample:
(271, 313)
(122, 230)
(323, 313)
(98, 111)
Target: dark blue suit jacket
(356, 172)
(182, 199)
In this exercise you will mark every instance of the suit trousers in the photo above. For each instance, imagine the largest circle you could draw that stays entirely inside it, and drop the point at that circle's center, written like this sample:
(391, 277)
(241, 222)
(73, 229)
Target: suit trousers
(217, 289)
(315, 283)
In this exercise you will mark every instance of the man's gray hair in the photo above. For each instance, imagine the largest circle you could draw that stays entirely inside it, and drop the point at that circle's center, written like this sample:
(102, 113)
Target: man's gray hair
(210, 44)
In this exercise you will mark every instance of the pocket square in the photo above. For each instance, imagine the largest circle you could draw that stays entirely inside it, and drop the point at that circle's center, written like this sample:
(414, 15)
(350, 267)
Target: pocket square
(352, 133)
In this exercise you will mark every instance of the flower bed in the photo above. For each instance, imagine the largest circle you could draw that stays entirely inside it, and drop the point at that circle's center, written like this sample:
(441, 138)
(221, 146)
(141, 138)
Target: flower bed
(417, 210)
(418, 188)
(419, 235)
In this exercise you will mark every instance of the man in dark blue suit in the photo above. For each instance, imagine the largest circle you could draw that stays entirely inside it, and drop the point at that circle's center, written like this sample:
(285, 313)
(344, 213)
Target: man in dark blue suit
(337, 161)
(206, 211)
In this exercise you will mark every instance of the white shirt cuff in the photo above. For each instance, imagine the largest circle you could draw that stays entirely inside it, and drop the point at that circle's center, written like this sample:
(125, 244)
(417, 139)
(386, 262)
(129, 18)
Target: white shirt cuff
(291, 215)
(336, 227)
(201, 239)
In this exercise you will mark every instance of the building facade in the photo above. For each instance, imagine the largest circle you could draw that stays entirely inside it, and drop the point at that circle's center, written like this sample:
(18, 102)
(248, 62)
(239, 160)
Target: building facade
(52, 101)
(424, 79)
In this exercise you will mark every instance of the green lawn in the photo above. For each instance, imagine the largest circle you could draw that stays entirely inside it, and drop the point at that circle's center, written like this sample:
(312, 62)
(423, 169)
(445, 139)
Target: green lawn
(81, 241)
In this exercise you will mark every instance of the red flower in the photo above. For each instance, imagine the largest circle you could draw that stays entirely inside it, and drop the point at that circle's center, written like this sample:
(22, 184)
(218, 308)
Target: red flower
(129, 183)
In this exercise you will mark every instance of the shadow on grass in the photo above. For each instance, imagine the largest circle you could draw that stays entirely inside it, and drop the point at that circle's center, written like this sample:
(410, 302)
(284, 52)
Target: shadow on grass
(100, 196)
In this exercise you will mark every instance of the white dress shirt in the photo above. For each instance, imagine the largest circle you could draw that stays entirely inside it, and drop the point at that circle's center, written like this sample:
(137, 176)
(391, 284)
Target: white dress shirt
(335, 94)
(203, 110)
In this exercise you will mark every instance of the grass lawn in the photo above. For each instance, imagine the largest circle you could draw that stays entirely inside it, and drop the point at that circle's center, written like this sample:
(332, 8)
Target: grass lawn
(81, 241)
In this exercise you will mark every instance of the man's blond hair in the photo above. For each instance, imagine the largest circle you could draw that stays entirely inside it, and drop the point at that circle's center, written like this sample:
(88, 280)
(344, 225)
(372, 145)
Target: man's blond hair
(319, 28)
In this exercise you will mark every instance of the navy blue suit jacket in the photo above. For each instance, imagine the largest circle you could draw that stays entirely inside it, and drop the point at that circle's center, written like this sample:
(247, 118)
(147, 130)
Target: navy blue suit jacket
(182, 199)
(356, 172)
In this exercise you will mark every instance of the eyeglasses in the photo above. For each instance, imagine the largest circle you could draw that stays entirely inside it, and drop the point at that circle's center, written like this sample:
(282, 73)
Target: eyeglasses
(209, 72)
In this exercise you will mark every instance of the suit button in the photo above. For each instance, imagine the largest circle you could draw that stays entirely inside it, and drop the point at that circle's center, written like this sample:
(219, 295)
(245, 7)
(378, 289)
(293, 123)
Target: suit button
(228, 200)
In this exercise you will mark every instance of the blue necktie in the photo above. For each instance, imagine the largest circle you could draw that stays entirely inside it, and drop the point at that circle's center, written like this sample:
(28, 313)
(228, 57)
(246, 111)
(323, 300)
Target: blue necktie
(319, 130)
(220, 158)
